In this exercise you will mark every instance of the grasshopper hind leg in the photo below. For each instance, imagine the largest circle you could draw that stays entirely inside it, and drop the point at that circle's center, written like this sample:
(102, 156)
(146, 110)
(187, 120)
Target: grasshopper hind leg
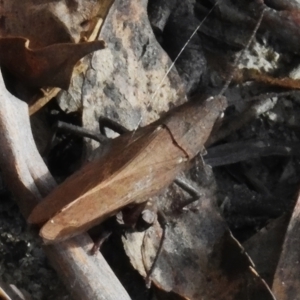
(86, 133)
(80, 131)
(111, 124)
(75, 130)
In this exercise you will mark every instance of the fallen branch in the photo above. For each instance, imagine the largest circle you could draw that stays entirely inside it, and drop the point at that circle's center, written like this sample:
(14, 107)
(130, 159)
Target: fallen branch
(85, 276)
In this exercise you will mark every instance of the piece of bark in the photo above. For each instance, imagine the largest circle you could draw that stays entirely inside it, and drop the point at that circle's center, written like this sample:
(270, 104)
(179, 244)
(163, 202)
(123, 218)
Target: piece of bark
(86, 276)
(264, 247)
(286, 282)
(128, 82)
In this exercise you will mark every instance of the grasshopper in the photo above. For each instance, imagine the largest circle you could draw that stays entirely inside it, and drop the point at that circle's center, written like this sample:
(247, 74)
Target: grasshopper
(134, 167)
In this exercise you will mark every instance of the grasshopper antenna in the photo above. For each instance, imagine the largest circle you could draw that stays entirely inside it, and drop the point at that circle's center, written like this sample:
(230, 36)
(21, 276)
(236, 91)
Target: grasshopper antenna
(236, 61)
(240, 55)
(174, 62)
(182, 49)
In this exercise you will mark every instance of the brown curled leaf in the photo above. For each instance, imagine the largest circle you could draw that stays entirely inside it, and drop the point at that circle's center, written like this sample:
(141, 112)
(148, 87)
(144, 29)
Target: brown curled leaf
(49, 66)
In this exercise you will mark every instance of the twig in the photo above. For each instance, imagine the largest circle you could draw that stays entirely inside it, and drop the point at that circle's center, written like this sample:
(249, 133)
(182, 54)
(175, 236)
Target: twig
(239, 151)
(86, 276)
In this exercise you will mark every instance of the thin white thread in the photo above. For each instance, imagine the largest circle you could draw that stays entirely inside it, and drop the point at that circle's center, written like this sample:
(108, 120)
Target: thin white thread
(227, 83)
(173, 63)
(182, 49)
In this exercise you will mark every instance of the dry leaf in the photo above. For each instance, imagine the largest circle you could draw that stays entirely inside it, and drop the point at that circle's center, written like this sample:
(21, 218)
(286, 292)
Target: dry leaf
(47, 23)
(49, 66)
(51, 23)
(200, 258)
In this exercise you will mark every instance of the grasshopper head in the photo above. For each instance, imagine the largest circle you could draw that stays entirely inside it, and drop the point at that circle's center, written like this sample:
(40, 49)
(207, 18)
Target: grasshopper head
(220, 102)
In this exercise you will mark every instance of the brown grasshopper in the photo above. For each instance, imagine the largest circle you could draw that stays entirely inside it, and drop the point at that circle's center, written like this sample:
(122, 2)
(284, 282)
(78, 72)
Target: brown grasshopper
(135, 166)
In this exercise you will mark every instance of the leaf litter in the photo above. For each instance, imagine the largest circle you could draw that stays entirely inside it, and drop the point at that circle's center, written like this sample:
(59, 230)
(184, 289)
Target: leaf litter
(131, 91)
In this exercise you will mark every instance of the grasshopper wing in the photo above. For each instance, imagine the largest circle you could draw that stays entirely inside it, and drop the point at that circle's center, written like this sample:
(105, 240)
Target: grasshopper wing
(135, 168)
